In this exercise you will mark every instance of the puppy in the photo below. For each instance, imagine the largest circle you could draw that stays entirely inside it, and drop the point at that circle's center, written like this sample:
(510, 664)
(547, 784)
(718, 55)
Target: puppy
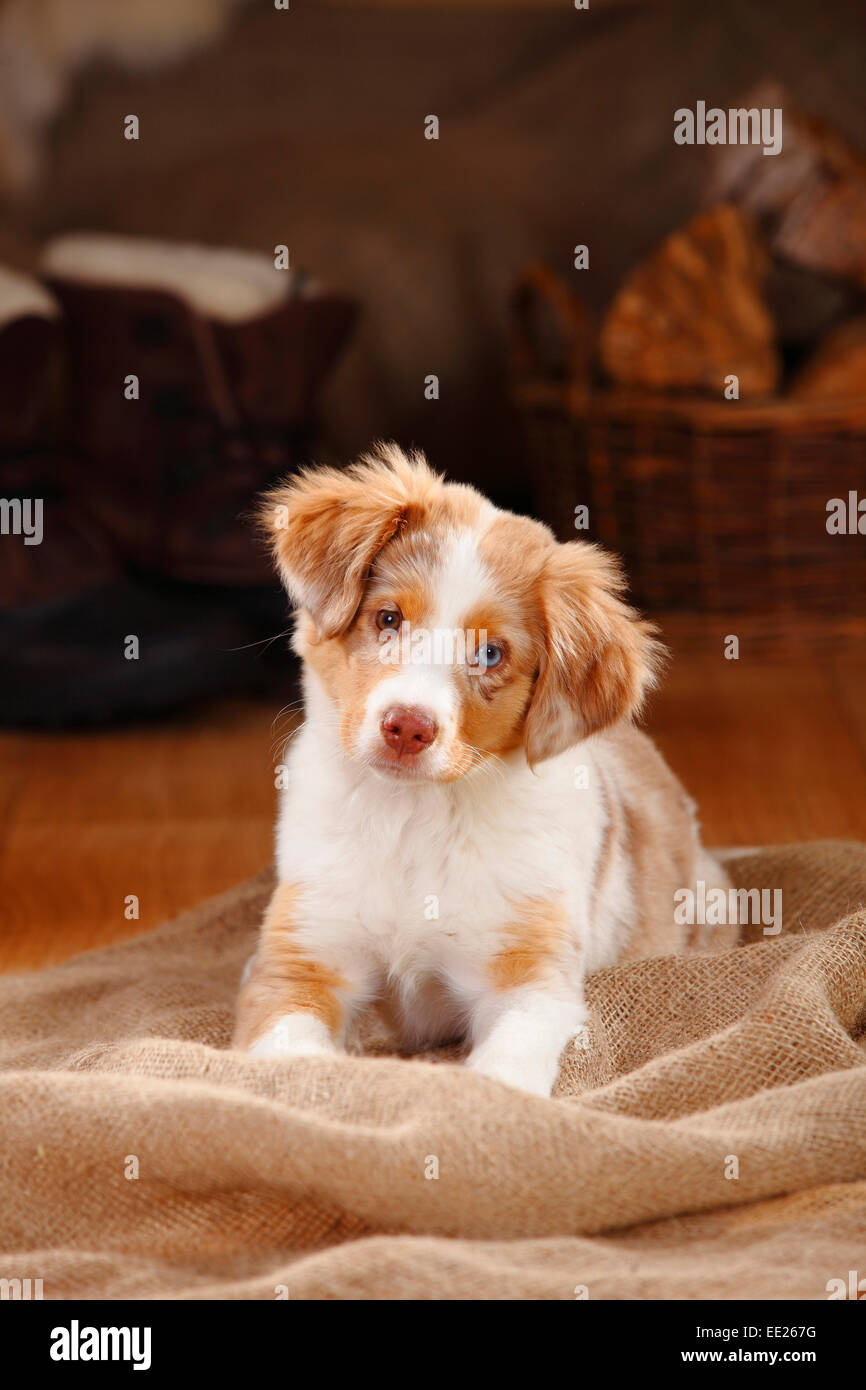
(471, 824)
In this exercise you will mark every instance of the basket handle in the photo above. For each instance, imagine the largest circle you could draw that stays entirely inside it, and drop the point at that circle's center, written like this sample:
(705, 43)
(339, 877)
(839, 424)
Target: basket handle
(538, 283)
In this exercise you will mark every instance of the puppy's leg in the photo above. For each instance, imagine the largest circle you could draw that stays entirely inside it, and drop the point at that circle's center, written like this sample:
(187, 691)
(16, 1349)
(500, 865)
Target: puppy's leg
(706, 938)
(519, 1036)
(292, 1003)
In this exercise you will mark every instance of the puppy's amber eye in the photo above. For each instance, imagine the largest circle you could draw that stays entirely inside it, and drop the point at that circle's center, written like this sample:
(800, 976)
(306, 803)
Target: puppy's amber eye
(389, 619)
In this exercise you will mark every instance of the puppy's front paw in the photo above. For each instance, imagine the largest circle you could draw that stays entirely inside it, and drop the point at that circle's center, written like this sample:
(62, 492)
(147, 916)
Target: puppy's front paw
(525, 1073)
(295, 1035)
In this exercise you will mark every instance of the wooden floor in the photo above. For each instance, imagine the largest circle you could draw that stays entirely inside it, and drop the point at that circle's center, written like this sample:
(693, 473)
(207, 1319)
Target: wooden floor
(176, 812)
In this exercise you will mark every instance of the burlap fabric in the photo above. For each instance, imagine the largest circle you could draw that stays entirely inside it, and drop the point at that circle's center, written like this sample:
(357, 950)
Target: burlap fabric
(710, 1142)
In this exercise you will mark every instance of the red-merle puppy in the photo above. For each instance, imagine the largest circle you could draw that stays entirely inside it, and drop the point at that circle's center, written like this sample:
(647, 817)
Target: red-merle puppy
(471, 823)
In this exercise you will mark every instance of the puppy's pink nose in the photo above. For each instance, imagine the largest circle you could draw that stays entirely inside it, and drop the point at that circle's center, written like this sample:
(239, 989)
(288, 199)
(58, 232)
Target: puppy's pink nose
(408, 730)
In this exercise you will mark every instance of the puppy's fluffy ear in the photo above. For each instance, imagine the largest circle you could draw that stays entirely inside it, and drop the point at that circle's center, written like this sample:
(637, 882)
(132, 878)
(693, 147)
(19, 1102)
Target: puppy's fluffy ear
(598, 659)
(326, 527)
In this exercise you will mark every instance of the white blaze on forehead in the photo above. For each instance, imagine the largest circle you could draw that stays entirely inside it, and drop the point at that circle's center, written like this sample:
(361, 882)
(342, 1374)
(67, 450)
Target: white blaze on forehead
(460, 582)
(462, 579)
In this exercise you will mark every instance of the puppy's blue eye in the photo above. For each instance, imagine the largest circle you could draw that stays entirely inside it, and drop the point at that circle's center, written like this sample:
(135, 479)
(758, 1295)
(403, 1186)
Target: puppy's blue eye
(489, 655)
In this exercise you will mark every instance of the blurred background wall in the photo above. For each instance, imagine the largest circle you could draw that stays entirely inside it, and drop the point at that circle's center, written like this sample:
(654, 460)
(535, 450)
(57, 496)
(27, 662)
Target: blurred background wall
(306, 128)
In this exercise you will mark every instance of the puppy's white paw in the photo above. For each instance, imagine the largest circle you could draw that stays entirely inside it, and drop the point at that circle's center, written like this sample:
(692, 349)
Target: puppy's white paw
(524, 1073)
(295, 1035)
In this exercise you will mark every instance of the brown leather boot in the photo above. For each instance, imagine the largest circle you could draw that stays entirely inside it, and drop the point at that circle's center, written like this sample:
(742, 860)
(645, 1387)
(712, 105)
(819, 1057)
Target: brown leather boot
(229, 354)
(51, 548)
(67, 609)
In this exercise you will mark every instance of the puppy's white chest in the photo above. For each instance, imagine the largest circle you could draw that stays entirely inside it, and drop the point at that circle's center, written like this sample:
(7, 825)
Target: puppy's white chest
(415, 884)
(404, 878)
(418, 910)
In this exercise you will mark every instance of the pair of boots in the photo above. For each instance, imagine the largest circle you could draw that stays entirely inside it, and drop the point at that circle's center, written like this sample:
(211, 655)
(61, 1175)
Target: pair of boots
(148, 392)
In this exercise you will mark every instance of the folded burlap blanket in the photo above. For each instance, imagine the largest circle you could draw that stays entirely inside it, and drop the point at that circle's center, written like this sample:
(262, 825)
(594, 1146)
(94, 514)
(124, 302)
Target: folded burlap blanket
(709, 1142)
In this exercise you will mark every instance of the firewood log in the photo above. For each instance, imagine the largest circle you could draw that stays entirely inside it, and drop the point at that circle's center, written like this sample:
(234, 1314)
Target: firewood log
(692, 313)
(838, 369)
(810, 199)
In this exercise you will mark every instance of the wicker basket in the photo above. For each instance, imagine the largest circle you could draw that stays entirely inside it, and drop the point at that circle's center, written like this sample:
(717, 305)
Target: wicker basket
(716, 506)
